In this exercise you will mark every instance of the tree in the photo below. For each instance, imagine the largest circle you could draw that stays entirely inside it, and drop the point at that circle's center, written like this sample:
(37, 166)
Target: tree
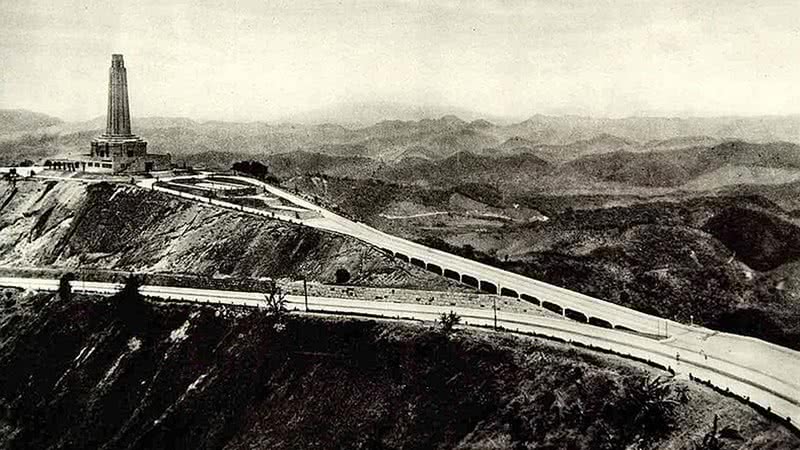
(130, 303)
(275, 302)
(448, 322)
(130, 288)
(65, 286)
(654, 401)
(255, 169)
(342, 276)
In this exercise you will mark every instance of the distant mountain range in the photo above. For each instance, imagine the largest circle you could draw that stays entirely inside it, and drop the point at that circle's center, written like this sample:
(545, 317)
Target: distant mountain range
(687, 169)
(551, 138)
(363, 114)
(20, 120)
(643, 129)
(556, 151)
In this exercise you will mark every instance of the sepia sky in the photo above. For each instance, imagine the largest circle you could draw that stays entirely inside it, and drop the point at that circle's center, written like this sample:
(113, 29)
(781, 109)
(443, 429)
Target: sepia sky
(259, 60)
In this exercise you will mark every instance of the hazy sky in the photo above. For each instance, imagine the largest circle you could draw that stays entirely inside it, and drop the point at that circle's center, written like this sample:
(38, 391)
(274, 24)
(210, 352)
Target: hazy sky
(259, 60)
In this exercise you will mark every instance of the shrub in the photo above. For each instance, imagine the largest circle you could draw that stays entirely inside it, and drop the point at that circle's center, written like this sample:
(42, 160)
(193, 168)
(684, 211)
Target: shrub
(711, 440)
(275, 306)
(255, 169)
(276, 302)
(654, 401)
(9, 298)
(448, 322)
(342, 276)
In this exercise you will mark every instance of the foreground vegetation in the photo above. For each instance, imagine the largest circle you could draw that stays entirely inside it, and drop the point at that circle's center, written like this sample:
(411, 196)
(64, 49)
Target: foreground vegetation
(123, 372)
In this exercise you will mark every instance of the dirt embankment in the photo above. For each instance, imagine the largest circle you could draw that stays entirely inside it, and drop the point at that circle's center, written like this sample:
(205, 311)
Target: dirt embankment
(82, 374)
(119, 227)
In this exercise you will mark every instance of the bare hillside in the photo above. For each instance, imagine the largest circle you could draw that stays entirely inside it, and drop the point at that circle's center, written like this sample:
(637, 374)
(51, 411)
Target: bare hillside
(120, 227)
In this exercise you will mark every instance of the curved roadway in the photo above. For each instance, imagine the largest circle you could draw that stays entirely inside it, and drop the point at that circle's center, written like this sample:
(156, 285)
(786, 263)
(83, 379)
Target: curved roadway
(777, 390)
(479, 274)
(766, 373)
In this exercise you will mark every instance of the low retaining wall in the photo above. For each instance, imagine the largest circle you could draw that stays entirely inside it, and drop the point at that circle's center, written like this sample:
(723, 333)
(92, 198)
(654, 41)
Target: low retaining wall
(163, 279)
(189, 185)
(200, 195)
(413, 296)
(444, 298)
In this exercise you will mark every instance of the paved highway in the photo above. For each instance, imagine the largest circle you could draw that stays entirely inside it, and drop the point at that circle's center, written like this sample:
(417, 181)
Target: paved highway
(769, 359)
(743, 374)
(608, 313)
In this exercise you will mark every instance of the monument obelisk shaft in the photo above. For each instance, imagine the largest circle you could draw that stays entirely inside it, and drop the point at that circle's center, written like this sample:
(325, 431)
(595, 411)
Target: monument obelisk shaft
(118, 122)
(118, 150)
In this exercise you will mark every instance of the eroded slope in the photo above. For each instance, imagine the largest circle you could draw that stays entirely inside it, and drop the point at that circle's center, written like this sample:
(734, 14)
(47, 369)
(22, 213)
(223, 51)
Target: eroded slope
(120, 227)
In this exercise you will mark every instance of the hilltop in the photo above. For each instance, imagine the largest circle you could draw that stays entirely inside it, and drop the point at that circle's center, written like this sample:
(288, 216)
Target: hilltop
(124, 228)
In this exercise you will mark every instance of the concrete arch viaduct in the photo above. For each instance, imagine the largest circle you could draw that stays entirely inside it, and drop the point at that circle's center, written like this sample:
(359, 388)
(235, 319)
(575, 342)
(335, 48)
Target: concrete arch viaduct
(518, 288)
(757, 371)
(570, 304)
(493, 280)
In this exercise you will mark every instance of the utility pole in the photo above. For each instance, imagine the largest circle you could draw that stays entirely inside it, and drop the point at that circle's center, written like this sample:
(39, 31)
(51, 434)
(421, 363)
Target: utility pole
(80, 272)
(305, 292)
(494, 307)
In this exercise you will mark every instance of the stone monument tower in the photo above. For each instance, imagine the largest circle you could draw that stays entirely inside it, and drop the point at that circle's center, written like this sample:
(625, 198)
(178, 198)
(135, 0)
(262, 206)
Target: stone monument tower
(117, 142)
(117, 150)
(119, 117)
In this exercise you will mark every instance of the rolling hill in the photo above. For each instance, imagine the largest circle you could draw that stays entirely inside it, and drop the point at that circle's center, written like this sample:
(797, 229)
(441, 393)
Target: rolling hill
(556, 139)
(20, 120)
(545, 154)
(672, 168)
